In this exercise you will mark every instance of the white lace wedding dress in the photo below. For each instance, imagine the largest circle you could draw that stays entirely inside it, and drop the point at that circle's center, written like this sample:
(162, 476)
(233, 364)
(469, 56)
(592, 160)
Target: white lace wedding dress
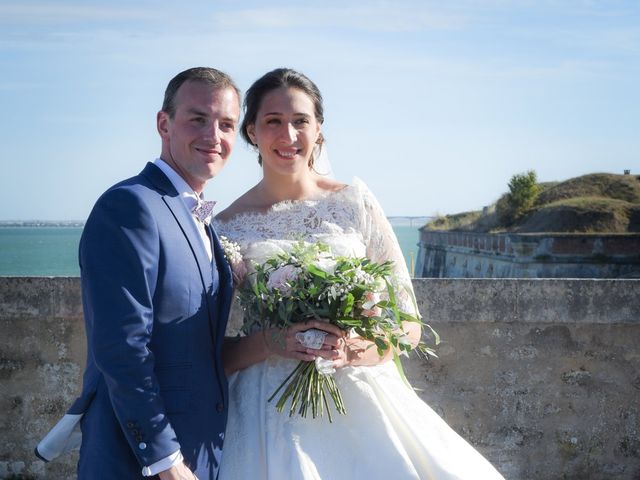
(388, 432)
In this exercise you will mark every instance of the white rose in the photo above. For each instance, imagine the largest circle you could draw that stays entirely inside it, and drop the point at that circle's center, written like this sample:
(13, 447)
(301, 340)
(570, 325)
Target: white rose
(369, 307)
(327, 265)
(324, 367)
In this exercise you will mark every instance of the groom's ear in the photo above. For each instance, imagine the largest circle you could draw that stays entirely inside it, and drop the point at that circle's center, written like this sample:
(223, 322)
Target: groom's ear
(162, 123)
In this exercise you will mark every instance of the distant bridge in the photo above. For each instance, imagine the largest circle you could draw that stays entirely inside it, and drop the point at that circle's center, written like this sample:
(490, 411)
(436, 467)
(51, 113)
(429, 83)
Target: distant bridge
(409, 220)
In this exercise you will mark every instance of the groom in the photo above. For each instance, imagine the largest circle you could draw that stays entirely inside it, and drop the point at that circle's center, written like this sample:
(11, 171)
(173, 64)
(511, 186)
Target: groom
(156, 291)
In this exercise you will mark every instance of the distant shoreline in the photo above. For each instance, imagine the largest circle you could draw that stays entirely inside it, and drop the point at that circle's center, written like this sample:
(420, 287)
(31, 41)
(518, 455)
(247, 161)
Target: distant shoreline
(41, 223)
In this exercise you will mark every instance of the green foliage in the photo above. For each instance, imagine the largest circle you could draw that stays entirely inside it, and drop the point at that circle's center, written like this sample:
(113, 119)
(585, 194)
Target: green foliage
(523, 191)
(458, 221)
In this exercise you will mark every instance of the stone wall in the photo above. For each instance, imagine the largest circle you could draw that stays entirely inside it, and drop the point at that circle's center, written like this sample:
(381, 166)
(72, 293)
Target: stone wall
(450, 254)
(42, 356)
(542, 376)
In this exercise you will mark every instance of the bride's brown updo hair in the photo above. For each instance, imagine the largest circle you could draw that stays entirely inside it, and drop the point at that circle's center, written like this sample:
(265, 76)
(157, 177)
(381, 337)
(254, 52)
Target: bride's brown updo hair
(280, 77)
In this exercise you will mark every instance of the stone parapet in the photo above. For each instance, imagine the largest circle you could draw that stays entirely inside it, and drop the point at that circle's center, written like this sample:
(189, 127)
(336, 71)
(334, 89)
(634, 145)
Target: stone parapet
(542, 376)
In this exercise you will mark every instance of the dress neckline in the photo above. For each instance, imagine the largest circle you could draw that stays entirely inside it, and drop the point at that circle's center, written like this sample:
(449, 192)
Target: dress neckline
(283, 205)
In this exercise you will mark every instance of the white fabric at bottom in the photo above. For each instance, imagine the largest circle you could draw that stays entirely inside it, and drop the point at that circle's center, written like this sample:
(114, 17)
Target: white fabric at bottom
(387, 433)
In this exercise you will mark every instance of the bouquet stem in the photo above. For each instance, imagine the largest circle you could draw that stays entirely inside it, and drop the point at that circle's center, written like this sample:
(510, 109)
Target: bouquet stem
(308, 388)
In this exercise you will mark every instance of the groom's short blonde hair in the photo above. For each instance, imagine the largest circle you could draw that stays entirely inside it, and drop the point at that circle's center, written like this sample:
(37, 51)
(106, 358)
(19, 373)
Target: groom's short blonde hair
(209, 76)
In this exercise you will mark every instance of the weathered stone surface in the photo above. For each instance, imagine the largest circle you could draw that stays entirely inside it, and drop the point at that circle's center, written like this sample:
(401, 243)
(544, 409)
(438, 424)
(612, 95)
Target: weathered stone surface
(57, 297)
(553, 301)
(42, 354)
(536, 372)
(542, 376)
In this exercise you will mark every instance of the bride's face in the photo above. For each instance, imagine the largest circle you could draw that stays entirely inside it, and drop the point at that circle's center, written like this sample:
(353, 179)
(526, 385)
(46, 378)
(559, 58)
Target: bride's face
(285, 131)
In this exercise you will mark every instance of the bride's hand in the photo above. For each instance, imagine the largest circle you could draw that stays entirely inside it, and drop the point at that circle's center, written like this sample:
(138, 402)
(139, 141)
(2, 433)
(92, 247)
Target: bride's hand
(349, 351)
(356, 351)
(283, 342)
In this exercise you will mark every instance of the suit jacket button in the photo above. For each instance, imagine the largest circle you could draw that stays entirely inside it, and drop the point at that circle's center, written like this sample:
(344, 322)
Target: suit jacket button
(220, 407)
(130, 424)
(142, 445)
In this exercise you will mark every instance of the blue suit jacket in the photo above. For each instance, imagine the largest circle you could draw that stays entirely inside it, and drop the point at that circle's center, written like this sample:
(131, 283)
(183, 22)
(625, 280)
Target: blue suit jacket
(155, 310)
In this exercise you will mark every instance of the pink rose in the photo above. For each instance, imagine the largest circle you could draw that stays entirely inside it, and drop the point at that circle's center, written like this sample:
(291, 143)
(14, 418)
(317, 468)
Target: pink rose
(279, 278)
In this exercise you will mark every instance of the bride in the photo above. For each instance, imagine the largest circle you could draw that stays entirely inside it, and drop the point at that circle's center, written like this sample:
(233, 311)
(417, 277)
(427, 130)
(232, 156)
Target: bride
(387, 432)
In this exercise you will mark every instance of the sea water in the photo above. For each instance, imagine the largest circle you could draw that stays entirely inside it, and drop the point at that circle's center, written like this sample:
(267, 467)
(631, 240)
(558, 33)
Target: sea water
(53, 251)
(39, 251)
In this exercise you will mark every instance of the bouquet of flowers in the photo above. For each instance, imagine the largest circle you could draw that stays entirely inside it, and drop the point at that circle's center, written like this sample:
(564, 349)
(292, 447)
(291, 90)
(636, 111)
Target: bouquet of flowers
(356, 294)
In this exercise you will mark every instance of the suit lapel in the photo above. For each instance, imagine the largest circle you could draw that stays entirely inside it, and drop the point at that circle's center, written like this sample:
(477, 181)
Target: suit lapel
(224, 269)
(224, 272)
(185, 222)
(192, 235)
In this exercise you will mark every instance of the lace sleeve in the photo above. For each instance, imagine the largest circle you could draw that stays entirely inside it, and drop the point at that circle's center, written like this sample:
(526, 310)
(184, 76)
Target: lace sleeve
(382, 245)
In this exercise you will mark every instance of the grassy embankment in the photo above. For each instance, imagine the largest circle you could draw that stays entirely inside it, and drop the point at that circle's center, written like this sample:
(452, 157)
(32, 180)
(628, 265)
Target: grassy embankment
(594, 203)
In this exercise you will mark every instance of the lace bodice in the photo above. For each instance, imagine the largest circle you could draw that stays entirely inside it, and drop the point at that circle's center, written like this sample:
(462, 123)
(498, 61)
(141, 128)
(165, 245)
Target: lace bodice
(350, 221)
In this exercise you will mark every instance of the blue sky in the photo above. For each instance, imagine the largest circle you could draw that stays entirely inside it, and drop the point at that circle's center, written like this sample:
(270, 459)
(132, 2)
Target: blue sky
(434, 104)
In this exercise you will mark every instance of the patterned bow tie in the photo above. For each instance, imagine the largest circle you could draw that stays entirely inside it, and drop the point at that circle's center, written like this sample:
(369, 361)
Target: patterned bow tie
(203, 210)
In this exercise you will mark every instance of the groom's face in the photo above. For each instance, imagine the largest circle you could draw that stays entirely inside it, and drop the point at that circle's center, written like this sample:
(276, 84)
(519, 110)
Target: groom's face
(198, 139)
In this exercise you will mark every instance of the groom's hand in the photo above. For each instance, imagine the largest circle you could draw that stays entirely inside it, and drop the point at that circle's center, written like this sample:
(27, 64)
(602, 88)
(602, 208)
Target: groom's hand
(177, 472)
